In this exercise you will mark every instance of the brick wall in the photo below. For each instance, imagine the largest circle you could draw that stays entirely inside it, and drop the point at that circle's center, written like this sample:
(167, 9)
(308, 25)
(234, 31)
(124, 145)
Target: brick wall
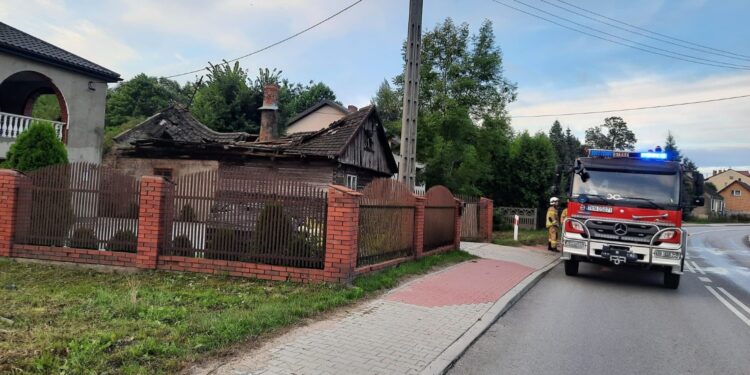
(485, 219)
(735, 204)
(9, 181)
(154, 226)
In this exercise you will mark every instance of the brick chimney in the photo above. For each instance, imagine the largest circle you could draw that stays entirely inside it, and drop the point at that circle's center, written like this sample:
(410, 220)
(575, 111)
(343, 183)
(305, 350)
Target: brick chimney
(352, 108)
(269, 128)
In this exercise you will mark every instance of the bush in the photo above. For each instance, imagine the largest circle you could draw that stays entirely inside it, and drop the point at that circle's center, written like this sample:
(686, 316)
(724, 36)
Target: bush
(182, 242)
(273, 230)
(226, 243)
(124, 240)
(84, 238)
(187, 213)
(36, 147)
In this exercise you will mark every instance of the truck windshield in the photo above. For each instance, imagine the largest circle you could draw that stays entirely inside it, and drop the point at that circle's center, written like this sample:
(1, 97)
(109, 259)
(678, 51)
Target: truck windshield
(630, 189)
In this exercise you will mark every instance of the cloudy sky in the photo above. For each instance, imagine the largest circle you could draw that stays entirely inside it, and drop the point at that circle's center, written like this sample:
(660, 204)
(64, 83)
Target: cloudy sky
(557, 70)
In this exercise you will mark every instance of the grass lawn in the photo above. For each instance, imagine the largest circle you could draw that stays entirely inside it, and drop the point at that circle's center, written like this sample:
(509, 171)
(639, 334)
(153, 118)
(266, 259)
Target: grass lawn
(526, 237)
(56, 319)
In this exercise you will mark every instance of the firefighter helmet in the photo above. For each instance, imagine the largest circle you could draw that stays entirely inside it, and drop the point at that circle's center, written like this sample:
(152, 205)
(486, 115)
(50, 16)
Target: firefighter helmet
(553, 200)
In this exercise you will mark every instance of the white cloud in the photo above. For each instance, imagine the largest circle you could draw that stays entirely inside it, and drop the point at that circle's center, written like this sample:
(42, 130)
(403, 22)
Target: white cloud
(717, 125)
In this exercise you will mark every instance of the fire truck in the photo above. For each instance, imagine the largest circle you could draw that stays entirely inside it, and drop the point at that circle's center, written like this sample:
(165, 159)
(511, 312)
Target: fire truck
(626, 209)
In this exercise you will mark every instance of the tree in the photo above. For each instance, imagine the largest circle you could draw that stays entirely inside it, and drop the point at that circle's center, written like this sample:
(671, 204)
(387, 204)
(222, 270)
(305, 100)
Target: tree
(612, 135)
(141, 96)
(557, 138)
(46, 107)
(36, 147)
(493, 144)
(389, 105)
(459, 69)
(532, 165)
(225, 102)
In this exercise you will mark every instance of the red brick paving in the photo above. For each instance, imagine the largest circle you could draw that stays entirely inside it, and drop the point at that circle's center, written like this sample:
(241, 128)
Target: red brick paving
(480, 281)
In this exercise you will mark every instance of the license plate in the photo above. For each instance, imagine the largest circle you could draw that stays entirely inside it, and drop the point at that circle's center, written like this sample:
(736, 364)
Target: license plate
(604, 209)
(618, 256)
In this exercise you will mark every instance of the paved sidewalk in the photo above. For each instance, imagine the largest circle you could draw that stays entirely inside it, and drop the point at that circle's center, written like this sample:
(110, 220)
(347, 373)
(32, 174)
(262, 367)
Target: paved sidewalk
(401, 332)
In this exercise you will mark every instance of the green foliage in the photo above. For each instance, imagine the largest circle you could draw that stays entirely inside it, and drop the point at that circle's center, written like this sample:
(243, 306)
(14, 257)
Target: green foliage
(225, 102)
(182, 242)
(123, 240)
(140, 97)
(36, 147)
(273, 230)
(389, 104)
(612, 135)
(46, 107)
(110, 132)
(567, 148)
(84, 238)
(533, 164)
(187, 213)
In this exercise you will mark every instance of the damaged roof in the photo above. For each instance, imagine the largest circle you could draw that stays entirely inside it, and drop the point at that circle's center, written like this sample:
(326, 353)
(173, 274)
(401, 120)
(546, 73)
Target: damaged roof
(19, 43)
(176, 124)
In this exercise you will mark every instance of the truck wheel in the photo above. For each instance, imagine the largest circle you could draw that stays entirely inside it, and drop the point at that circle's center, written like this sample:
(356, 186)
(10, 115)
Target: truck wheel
(671, 280)
(571, 267)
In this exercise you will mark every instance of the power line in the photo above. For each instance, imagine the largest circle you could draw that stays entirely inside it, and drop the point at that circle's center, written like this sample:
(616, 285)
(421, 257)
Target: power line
(614, 41)
(701, 49)
(278, 42)
(635, 108)
(650, 31)
(633, 41)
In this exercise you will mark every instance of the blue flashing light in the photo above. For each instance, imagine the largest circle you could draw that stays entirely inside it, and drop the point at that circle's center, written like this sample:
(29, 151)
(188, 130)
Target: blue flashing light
(654, 155)
(602, 153)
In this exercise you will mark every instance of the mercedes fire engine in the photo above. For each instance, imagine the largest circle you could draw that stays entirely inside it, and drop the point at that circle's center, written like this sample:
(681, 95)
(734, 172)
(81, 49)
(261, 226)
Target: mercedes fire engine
(626, 209)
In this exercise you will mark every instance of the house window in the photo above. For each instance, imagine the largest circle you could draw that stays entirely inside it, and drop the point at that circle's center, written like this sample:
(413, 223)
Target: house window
(163, 172)
(736, 193)
(351, 181)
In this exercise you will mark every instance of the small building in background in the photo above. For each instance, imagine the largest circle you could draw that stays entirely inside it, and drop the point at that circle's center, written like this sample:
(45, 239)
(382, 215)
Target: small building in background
(30, 69)
(714, 205)
(722, 178)
(736, 197)
(350, 151)
(317, 117)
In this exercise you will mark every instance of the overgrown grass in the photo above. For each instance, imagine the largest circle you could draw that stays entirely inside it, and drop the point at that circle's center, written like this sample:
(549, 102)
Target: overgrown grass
(72, 320)
(526, 237)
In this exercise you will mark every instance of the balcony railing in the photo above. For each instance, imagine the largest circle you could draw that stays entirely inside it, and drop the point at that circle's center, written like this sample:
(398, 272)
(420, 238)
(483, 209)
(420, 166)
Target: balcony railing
(13, 125)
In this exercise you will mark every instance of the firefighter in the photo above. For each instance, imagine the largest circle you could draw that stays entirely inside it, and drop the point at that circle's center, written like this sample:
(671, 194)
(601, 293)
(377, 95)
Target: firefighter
(553, 224)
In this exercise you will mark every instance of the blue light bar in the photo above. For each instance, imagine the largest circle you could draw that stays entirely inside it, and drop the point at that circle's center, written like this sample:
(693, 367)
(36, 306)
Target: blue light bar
(601, 153)
(654, 155)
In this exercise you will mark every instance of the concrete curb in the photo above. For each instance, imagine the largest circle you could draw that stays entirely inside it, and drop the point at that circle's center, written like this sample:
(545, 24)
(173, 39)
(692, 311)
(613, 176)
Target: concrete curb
(450, 355)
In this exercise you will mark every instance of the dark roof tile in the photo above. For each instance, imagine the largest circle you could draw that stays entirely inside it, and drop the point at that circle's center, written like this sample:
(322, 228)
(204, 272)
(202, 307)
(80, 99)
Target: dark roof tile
(18, 42)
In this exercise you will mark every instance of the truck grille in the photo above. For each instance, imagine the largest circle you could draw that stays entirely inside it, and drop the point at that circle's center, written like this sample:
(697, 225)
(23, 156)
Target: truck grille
(620, 231)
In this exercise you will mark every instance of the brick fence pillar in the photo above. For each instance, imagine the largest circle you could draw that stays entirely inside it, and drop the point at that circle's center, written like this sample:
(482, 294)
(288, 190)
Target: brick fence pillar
(342, 230)
(9, 182)
(152, 219)
(485, 219)
(419, 226)
(457, 224)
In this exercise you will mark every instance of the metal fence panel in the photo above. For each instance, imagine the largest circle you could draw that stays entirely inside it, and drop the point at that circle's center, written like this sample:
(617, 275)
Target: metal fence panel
(79, 205)
(386, 222)
(439, 218)
(235, 214)
(527, 216)
(470, 217)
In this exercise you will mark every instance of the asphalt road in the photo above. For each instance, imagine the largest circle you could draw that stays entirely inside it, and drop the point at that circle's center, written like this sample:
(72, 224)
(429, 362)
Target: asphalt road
(622, 321)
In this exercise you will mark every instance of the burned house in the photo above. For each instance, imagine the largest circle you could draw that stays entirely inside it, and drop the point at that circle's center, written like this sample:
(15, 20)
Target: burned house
(351, 151)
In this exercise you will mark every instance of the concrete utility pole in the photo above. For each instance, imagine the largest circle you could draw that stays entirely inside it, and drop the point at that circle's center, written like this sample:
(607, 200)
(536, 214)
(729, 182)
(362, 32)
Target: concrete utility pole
(407, 166)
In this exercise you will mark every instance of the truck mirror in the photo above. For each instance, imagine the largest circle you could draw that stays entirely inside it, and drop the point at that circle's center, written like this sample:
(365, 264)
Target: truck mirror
(699, 201)
(699, 182)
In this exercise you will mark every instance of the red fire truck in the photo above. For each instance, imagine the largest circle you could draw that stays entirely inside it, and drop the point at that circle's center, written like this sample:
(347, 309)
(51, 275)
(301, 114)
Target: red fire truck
(626, 208)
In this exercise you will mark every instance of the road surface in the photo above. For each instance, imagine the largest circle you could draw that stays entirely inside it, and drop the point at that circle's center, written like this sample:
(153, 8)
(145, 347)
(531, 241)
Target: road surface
(616, 321)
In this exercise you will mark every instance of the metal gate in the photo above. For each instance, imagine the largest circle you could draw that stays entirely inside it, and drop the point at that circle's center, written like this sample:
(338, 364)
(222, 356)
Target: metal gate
(439, 218)
(386, 222)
